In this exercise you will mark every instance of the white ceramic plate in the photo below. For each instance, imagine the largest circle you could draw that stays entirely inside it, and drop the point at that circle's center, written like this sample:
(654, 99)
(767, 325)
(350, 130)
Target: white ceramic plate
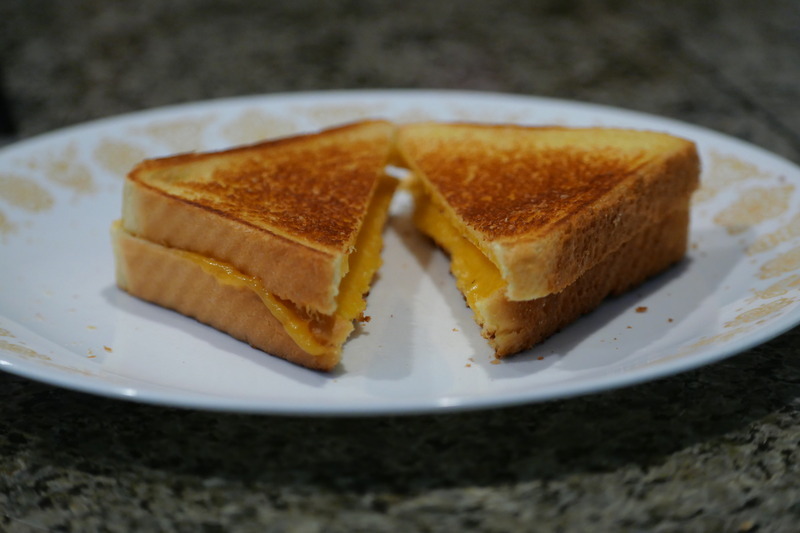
(63, 321)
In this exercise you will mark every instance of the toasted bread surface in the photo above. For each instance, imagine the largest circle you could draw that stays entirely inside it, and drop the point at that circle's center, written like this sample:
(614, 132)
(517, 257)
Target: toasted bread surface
(286, 211)
(165, 276)
(546, 204)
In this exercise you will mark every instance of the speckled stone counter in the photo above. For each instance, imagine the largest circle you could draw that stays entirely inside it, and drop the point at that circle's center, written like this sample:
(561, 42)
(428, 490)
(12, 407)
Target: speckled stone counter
(716, 449)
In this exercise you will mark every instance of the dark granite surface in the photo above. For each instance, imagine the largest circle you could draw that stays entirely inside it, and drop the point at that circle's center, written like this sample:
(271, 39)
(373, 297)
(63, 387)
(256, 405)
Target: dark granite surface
(716, 449)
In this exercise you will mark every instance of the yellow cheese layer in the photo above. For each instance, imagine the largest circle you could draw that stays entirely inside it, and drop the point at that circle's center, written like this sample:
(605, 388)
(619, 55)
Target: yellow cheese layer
(364, 261)
(421, 188)
(297, 326)
(476, 276)
(366, 258)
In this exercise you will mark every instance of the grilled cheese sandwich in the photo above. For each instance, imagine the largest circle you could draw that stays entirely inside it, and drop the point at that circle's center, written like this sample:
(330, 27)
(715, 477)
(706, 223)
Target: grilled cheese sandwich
(277, 243)
(314, 207)
(541, 224)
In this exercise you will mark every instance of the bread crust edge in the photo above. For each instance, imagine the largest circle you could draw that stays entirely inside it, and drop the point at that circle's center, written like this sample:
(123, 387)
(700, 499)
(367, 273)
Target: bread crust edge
(514, 326)
(164, 278)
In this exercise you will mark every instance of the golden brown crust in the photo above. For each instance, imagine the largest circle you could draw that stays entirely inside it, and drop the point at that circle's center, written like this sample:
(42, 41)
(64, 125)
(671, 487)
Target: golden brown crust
(284, 267)
(546, 204)
(165, 277)
(511, 327)
(287, 211)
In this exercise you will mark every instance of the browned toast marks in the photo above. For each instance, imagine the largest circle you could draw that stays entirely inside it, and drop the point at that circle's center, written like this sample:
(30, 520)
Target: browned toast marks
(548, 203)
(286, 211)
(310, 190)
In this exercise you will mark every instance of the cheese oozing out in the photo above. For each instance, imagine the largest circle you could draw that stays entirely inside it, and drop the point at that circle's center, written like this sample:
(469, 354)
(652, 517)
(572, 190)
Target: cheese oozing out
(299, 324)
(476, 275)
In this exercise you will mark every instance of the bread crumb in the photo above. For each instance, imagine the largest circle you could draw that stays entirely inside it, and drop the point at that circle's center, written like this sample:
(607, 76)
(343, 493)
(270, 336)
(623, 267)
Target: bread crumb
(455, 329)
(108, 349)
(91, 327)
(364, 318)
(669, 320)
(540, 358)
(91, 356)
(468, 365)
(496, 361)
(641, 309)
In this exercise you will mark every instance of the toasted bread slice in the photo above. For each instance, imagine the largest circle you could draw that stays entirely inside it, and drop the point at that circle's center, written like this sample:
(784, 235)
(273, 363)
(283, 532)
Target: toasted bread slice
(286, 211)
(275, 243)
(179, 281)
(542, 224)
(512, 326)
(547, 204)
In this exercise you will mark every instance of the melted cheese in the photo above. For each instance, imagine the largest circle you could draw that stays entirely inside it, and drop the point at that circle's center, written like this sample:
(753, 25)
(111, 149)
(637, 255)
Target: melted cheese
(364, 261)
(366, 258)
(476, 275)
(296, 325)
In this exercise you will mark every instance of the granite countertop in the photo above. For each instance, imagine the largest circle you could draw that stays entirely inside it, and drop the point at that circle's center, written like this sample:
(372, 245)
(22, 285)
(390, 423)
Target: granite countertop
(715, 449)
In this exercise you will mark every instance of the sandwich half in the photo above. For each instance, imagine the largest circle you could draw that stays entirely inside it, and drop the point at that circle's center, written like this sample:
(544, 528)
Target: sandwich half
(543, 223)
(274, 243)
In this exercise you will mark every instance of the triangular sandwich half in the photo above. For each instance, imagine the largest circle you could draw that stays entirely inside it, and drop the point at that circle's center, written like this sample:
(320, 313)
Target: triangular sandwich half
(275, 243)
(543, 223)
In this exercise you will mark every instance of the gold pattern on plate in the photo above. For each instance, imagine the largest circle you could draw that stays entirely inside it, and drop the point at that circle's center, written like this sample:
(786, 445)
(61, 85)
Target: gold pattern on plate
(754, 206)
(22, 350)
(780, 288)
(24, 193)
(118, 157)
(723, 170)
(413, 114)
(29, 353)
(254, 125)
(182, 135)
(769, 241)
(702, 343)
(65, 169)
(488, 115)
(782, 264)
(761, 312)
(327, 115)
(721, 337)
(6, 226)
